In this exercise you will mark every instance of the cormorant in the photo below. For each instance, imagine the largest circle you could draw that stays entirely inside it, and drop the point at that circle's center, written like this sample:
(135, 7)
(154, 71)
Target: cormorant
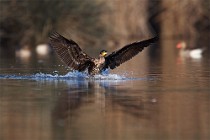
(72, 55)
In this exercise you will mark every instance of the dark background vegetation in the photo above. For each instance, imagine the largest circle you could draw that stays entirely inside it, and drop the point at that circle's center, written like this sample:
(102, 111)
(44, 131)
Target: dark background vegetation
(100, 23)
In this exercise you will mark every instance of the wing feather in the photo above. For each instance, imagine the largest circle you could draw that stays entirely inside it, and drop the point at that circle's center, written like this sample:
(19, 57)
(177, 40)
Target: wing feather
(126, 53)
(69, 52)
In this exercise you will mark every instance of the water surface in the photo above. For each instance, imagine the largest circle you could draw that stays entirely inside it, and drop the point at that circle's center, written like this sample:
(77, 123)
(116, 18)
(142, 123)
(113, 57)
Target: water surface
(151, 99)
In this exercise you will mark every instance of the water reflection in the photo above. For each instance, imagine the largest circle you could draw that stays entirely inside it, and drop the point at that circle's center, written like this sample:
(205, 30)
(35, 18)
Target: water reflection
(91, 108)
(105, 93)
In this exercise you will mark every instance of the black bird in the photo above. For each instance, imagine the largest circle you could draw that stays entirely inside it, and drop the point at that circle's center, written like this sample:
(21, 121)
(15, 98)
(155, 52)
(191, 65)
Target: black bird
(72, 55)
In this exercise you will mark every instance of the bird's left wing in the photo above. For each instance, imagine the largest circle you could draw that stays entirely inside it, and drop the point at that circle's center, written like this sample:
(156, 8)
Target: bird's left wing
(69, 52)
(126, 53)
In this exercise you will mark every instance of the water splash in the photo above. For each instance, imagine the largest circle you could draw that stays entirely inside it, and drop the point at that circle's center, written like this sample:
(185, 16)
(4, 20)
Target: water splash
(74, 75)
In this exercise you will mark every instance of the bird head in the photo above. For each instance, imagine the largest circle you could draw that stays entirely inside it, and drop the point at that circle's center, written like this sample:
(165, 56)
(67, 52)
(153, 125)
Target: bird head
(103, 53)
(181, 45)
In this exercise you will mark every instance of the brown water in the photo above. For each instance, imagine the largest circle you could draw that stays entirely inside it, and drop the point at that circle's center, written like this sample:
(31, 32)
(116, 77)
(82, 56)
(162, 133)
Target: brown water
(164, 99)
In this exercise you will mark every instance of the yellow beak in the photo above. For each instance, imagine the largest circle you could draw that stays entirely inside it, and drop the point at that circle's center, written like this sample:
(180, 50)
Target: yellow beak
(104, 53)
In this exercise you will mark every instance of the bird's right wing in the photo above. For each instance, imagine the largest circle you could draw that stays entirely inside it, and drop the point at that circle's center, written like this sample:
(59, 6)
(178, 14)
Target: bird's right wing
(69, 52)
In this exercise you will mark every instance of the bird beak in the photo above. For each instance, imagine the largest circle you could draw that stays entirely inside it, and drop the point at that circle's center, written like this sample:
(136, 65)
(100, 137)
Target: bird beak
(104, 53)
(179, 46)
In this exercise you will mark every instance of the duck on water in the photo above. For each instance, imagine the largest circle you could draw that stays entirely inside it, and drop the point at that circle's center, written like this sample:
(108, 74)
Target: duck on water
(72, 55)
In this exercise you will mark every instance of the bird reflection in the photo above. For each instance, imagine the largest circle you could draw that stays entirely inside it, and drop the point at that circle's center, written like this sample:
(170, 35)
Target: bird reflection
(106, 94)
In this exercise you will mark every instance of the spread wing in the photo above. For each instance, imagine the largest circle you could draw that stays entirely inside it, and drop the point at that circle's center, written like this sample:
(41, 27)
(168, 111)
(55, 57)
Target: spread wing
(126, 53)
(69, 52)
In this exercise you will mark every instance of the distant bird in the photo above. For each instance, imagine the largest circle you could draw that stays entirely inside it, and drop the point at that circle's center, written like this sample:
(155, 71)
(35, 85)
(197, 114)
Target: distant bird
(72, 55)
(23, 52)
(42, 49)
(192, 53)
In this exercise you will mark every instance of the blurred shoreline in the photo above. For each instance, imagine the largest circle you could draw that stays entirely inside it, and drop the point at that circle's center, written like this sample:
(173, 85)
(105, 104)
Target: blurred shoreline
(109, 24)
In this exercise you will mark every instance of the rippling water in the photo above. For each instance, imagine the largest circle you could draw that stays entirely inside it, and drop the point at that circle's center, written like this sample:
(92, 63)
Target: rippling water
(152, 99)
